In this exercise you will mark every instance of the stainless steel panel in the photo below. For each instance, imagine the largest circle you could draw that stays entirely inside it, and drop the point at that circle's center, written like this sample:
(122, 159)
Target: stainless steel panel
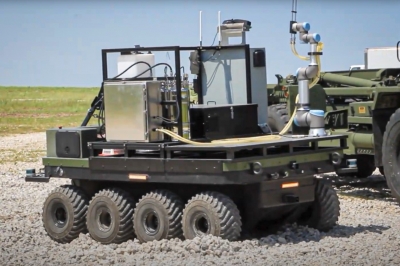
(154, 109)
(224, 80)
(129, 108)
(224, 76)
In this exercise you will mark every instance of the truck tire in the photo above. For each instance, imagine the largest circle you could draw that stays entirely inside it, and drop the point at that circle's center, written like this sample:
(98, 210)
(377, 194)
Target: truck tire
(366, 167)
(278, 117)
(64, 213)
(211, 213)
(390, 154)
(109, 217)
(381, 170)
(367, 164)
(158, 216)
(325, 211)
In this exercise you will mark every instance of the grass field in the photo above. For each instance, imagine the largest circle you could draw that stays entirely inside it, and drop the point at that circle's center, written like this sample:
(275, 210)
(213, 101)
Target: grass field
(34, 109)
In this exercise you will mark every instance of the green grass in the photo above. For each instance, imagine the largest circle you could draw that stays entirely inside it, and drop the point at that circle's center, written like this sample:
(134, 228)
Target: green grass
(34, 109)
(13, 155)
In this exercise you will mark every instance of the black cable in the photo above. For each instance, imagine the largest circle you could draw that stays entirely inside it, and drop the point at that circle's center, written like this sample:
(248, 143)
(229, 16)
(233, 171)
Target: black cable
(178, 111)
(140, 62)
(215, 51)
(182, 67)
(208, 59)
(101, 119)
(169, 120)
(159, 64)
(215, 37)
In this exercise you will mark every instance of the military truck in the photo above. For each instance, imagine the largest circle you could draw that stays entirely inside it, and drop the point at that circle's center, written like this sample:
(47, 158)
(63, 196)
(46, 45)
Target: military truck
(188, 170)
(363, 104)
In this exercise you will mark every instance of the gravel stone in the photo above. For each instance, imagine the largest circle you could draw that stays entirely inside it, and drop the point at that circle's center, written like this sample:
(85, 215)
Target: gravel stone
(368, 232)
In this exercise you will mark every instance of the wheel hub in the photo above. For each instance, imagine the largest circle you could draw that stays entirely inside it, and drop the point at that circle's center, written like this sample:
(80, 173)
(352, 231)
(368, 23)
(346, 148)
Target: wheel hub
(151, 223)
(104, 219)
(59, 215)
(201, 224)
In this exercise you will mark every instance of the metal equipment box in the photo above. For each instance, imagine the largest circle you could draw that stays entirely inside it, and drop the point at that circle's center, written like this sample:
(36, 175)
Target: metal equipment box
(70, 142)
(223, 121)
(133, 110)
(236, 76)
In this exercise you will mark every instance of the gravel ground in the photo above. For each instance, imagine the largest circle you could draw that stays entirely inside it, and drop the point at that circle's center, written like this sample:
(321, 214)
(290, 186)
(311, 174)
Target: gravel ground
(368, 232)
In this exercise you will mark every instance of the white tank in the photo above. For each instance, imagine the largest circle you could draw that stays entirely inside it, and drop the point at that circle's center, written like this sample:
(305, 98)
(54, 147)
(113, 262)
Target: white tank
(125, 61)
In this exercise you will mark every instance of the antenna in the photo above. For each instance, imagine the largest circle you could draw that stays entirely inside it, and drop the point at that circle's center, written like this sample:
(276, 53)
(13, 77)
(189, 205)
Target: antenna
(294, 10)
(294, 15)
(201, 37)
(219, 27)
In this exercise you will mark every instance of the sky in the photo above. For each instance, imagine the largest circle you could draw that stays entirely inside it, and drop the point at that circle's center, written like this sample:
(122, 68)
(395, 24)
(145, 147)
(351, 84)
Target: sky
(58, 43)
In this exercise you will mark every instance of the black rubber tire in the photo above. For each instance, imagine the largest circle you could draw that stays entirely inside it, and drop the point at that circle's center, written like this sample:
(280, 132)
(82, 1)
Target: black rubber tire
(71, 205)
(109, 217)
(278, 117)
(215, 211)
(367, 164)
(381, 170)
(366, 167)
(325, 211)
(391, 154)
(167, 210)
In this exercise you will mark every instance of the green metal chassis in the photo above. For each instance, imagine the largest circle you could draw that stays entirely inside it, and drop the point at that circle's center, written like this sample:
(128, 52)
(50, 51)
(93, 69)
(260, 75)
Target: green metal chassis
(266, 165)
(251, 174)
(370, 115)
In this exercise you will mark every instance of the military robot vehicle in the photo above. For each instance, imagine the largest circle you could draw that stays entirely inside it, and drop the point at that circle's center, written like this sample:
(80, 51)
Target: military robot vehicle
(187, 170)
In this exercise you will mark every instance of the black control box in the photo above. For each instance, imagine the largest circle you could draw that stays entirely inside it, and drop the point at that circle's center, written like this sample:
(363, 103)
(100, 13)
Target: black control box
(212, 122)
(72, 142)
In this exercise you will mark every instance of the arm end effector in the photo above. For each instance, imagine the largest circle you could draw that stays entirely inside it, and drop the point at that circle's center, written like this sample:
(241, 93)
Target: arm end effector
(310, 72)
(303, 28)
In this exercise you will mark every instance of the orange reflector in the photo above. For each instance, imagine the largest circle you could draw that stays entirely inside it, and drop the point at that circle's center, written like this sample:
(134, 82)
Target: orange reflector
(289, 185)
(137, 177)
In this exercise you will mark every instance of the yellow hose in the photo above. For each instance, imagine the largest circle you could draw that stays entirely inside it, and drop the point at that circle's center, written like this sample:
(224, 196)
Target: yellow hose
(320, 46)
(253, 139)
(292, 45)
(222, 141)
